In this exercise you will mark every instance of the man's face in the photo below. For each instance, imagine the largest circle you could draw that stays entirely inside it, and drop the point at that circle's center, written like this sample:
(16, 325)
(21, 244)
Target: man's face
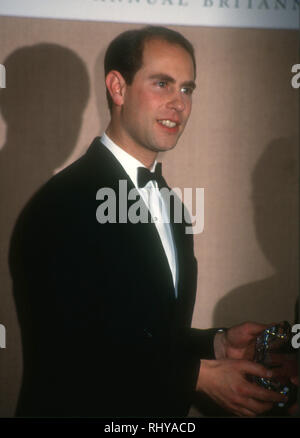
(158, 103)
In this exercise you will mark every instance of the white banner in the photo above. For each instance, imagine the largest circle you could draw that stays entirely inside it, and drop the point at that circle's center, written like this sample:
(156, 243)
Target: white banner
(278, 14)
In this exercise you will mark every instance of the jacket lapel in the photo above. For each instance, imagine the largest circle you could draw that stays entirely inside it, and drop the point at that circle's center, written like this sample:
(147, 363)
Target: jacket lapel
(144, 235)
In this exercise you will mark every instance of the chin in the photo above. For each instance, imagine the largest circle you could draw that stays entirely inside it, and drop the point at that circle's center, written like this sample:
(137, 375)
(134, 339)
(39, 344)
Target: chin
(167, 148)
(162, 149)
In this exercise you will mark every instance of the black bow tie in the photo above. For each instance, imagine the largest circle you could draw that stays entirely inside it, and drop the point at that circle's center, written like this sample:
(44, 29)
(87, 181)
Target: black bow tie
(144, 176)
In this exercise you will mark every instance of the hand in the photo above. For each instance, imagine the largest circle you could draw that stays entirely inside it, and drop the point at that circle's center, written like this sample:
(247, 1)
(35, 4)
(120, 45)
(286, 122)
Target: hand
(286, 365)
(238, 342)
(225, 381)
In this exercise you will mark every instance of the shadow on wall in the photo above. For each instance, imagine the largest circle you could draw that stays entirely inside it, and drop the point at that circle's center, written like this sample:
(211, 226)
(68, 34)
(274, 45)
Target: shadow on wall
(275, 203)
(100, 91)
(46, 92)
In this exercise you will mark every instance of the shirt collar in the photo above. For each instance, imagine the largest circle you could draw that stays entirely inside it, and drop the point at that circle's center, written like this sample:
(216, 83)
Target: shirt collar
(127, 161)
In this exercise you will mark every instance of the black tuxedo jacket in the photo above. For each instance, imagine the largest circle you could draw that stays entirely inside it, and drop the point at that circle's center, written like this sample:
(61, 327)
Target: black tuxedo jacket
(103, 334)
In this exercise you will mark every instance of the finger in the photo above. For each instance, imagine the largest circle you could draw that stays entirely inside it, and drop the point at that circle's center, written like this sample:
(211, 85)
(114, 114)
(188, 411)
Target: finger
(243, 412)
(255, 391)
(258, 370)
(238, 410)
(247, 401)
(254, 328)
(257, 406)
(247, 404)
(255, 369)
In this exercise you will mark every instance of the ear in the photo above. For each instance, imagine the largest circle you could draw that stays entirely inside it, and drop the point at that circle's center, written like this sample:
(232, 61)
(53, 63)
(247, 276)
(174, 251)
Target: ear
(116, 85)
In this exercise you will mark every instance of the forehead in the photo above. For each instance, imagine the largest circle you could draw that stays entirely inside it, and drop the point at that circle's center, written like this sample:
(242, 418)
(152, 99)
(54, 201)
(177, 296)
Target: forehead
(164, 57)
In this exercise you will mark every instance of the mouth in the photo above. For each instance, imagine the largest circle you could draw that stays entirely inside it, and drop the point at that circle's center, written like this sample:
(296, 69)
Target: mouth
(171, 126)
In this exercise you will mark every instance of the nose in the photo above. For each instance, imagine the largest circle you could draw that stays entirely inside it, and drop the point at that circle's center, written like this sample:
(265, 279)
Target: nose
(176, 102)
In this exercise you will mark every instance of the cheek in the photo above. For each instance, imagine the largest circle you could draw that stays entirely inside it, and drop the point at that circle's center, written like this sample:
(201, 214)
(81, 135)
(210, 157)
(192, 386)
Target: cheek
(148, 101)
(188, 109)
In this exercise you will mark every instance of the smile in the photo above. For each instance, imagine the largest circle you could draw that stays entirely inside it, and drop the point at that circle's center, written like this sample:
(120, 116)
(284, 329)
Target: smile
(168, 123)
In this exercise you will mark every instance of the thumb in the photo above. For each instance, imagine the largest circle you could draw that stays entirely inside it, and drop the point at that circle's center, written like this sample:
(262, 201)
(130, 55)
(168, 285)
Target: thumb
(252, 329)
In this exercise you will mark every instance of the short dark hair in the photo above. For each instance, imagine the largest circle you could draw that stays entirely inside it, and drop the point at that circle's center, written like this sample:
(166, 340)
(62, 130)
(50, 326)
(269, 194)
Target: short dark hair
(125, 52)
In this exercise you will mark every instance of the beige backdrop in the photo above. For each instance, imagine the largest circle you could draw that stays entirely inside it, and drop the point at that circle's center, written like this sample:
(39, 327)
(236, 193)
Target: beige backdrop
(241, 146)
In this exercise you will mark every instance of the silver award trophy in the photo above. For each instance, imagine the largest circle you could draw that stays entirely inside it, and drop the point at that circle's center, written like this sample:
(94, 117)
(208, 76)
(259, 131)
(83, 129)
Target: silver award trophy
(276, 340)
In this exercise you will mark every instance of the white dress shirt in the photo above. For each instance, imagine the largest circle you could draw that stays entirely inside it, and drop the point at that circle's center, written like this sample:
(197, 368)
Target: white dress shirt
(153, 200)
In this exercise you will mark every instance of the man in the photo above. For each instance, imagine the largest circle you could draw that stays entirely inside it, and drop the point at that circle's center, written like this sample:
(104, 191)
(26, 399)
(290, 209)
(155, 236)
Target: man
(105, 306)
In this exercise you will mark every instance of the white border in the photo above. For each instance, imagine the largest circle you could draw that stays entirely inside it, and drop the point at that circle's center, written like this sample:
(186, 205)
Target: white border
(168, 12)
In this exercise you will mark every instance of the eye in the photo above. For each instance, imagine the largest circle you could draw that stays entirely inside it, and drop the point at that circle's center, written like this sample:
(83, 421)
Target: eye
(162, 84)
(187, 90)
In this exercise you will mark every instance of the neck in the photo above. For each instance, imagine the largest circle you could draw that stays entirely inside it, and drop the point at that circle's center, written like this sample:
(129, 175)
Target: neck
(142, 154)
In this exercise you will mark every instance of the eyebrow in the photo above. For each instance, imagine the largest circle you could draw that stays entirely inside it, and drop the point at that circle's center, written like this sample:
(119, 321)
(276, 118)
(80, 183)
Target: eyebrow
(167, 78)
